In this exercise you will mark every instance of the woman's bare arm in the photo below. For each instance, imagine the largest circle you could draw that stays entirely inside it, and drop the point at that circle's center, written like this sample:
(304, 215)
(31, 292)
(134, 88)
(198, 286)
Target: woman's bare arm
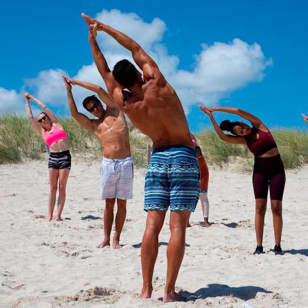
(220, 133)
(255, 121)
(34, 121)
(50, 114)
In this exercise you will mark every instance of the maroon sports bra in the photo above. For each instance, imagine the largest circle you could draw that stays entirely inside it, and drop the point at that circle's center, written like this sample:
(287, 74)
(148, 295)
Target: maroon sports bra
(264, 143)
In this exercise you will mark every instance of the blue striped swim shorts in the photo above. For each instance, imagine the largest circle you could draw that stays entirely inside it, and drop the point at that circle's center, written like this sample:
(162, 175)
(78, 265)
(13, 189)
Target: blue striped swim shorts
(172, 178)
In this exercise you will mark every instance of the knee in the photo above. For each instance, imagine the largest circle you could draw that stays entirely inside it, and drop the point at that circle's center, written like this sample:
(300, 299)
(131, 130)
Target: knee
(53, 188)
(110, 204)
(276, 208)
(62, 188)
(260, 209)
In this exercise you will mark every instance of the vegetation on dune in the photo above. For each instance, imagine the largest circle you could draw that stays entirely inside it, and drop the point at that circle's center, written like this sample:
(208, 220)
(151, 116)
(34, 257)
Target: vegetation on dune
(18, 141)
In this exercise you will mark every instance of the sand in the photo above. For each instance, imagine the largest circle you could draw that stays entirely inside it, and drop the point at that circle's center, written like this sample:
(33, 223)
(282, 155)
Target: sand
(57, 264)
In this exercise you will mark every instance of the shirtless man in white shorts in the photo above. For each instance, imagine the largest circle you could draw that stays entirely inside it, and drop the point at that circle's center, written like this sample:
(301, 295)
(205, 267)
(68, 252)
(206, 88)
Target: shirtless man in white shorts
(111, 129)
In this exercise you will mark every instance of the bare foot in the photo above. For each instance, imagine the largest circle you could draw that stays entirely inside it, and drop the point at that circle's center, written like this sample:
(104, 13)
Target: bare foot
(116, 244)
(49, 218)
(59, 219)
(146, 293)
(103, 244)
(173, 297)
(206, 223)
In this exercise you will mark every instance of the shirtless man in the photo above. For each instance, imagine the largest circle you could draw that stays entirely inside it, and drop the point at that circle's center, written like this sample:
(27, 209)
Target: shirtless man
(172, 175)
(111, 129)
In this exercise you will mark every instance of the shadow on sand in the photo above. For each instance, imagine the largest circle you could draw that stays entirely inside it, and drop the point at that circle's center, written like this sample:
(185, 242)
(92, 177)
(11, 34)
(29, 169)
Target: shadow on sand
(231, 225)
(214, 290)
(90, 217)
(303, 252)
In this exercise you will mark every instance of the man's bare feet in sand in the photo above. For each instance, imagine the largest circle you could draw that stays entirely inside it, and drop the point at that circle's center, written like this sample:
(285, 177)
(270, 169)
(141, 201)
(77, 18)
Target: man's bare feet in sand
(173, 297)
(116, 244)
(146, 292)
(49, 218)
(59, 219)
(104, 243)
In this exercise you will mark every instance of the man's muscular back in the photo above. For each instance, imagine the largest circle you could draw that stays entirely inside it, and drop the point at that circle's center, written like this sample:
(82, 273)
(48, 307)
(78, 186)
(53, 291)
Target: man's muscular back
(158, 113)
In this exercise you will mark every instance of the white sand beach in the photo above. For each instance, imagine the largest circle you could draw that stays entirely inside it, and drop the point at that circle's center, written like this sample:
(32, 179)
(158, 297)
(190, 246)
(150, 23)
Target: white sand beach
(57, 264)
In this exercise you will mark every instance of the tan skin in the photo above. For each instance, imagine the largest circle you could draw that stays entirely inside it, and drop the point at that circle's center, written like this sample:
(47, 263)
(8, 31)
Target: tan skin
(241, 131)
(57, 177)
(111, 130)
(305, 118)
(155, 109)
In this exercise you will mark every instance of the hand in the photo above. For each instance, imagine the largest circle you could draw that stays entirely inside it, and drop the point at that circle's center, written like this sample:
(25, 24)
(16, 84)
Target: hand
(67, 82)
(27, 96)
(304, 116)
(206, 110)
(93, 30)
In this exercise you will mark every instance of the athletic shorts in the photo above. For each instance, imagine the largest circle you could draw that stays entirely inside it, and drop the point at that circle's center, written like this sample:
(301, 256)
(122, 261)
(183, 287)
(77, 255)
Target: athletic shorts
(59, 160)
(269, 174)
(117, 178)
(172, 178)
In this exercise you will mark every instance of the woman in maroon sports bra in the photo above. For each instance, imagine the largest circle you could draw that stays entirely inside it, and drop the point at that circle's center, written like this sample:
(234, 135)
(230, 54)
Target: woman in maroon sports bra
(268, 167)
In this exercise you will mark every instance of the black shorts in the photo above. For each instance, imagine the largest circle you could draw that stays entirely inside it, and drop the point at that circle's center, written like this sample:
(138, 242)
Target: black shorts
(268, 173)
(60, 160)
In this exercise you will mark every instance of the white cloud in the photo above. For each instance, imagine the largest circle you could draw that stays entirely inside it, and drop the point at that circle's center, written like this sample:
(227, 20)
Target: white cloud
(218, 70)
(11, 102)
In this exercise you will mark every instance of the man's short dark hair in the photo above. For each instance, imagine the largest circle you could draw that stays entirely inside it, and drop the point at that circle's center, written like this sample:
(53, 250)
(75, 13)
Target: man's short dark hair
(125, 73)
(88, 99)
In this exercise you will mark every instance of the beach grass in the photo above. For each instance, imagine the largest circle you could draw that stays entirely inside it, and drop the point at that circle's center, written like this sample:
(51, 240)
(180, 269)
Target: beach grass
(18, 142)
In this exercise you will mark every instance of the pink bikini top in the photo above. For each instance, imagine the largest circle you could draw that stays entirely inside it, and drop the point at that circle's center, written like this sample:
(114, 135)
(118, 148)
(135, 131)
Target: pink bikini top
(55, 134)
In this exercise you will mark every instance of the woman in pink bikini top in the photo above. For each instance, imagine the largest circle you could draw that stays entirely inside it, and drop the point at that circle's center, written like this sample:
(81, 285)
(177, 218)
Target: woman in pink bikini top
(59, 161)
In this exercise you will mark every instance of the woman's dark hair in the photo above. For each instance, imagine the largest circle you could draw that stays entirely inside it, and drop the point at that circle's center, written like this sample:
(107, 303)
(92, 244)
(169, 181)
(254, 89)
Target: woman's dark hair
(125, 73)
(228, 125)
(88, 99)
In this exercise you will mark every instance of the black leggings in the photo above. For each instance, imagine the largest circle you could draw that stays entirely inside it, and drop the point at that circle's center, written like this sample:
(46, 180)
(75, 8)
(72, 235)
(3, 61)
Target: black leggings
(268, 172)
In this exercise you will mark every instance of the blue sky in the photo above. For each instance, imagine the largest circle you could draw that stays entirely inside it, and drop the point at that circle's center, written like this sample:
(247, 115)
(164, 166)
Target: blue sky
(246, 54)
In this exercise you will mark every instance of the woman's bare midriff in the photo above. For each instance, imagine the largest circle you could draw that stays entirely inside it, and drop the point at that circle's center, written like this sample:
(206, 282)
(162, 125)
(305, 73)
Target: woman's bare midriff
(59, 146)
(270, 153)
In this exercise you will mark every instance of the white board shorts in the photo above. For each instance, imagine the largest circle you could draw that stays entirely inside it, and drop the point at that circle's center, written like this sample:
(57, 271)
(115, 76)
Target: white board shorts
(117, 178)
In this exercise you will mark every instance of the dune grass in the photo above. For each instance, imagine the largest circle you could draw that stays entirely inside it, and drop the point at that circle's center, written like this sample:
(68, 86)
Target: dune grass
(18, 142)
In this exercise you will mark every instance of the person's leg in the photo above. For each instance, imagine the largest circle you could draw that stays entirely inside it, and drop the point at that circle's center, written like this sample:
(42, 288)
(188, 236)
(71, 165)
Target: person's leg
(276, 206)
(175, 252)
(149, 249)
(53, 183)
(259, 219)
(119, 222)
(108, 220)
(63, 176)
(260, 187)
(205, 208)
(277, 185)
(204, 183)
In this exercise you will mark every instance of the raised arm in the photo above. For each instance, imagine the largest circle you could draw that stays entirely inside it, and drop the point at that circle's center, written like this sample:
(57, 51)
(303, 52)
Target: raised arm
(83, 120)
(142, 59)
(244, 114)
(50, 114)
(305, 118)
(104, 96)
(34, 121)
(220, 133)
